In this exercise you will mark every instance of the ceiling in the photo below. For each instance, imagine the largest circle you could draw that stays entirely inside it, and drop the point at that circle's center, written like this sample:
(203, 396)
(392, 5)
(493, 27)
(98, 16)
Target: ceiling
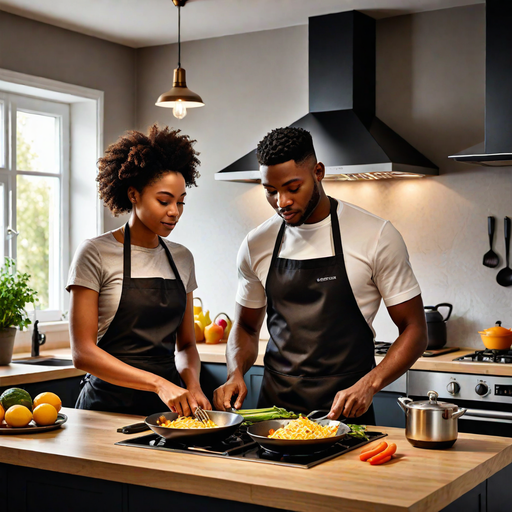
(139, 23)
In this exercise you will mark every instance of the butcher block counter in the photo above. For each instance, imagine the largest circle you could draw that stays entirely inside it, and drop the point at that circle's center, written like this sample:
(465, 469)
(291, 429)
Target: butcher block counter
(415, 480)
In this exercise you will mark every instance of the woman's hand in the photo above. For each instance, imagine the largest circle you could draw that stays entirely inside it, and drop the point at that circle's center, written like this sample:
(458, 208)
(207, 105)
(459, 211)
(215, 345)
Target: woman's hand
(178, 399)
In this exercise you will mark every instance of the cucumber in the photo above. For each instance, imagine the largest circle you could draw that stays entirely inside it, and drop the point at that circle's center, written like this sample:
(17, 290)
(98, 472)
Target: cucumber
(15, 396)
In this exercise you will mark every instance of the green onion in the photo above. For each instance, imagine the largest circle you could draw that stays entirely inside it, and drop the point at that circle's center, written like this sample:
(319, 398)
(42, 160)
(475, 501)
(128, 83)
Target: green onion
(270, 413)
(358, 431)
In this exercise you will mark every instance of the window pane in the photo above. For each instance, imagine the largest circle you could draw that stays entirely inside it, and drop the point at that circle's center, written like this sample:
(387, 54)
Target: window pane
(2, 134)
(37, 143)
(37, 221)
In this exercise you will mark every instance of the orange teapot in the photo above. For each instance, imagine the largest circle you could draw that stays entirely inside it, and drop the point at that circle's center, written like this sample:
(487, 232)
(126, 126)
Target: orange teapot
(497, 337)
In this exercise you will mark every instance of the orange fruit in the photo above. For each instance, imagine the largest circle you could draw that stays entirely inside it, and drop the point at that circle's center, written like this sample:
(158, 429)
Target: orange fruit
(45, 414)
(2, 413)
(18, 416)
(48, 398)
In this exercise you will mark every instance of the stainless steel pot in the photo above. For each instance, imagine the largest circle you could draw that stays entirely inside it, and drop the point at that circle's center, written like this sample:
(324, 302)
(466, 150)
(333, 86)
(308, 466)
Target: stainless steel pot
(429, 423)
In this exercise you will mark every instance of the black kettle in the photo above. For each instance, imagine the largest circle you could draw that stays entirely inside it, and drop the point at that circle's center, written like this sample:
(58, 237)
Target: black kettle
(436, 325)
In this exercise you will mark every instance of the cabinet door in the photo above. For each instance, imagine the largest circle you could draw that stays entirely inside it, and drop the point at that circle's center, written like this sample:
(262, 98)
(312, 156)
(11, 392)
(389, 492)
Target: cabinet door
(387, 411)
(253, 379)
(67, 389)
(34, 490)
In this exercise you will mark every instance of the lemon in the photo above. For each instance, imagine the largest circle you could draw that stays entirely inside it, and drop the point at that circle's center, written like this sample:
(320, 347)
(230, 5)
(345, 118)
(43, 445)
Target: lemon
(2, 413)
(45, 414)
(48, 398)
(18, 416)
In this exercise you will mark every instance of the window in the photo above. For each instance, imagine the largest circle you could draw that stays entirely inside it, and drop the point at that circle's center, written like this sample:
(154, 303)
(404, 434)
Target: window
(34, 194)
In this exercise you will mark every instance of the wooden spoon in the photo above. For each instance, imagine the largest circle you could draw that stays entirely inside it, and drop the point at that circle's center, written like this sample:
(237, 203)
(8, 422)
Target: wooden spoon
(504, 277)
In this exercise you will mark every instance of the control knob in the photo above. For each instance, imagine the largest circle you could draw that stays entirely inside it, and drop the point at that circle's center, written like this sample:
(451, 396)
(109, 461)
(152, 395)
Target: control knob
(482, 389)
(453, 387)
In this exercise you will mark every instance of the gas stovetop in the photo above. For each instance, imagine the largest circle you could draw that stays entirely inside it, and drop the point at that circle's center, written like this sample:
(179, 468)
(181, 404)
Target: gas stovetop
(241, 447)
(488, 356)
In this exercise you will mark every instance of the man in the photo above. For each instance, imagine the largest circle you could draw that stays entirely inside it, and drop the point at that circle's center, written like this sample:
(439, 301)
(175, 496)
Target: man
(320, 295)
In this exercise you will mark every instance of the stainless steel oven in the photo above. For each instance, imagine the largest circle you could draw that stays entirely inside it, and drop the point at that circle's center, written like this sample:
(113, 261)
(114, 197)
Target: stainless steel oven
(487, 398)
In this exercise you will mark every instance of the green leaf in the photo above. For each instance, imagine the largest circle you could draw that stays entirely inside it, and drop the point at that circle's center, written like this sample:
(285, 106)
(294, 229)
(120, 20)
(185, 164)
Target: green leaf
(15, 294)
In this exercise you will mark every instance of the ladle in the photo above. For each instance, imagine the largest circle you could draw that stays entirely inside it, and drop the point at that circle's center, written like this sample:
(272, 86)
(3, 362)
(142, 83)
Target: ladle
(491, 259)
(504, 277)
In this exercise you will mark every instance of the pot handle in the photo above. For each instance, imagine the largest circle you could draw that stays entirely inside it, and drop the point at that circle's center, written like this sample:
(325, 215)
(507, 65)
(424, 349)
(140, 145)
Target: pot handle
(459, 413)
(403, 402)
(446, 305)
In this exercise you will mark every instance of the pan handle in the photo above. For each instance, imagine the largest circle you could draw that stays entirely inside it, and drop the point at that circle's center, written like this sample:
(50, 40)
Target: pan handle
(133, 429)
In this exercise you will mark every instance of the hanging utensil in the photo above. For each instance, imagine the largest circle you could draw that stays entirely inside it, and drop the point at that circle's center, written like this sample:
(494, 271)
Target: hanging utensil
(504, 277)
(491, 259)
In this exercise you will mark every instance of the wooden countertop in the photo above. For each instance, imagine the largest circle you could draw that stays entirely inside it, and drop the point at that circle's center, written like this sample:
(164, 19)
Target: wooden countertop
(416, 480)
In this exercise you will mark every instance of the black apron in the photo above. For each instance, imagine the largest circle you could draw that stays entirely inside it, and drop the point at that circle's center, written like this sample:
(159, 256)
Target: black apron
(320, 343)
(142, 334)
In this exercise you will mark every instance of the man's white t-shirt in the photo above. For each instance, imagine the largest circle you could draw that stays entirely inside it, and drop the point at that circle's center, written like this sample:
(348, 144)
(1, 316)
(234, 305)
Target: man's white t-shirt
(375, 255)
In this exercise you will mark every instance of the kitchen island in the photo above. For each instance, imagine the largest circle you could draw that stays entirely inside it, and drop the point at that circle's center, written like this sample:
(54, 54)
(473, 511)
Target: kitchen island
(84, 449)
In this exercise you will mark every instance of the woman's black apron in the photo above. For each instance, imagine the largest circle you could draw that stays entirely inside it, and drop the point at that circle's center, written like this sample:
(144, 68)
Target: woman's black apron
(320, 343)
(142, 334)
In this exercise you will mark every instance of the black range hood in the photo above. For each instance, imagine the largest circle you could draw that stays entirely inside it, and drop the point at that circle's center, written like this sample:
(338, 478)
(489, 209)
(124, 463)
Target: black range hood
(351, 142)
(496, 150)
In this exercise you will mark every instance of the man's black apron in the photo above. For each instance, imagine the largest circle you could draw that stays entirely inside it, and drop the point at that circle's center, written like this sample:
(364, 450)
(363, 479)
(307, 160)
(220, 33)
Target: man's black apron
(142, 334)
(320, 343)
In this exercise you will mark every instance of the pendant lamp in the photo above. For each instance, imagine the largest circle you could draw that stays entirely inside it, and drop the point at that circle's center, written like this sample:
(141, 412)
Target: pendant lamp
(180, 97)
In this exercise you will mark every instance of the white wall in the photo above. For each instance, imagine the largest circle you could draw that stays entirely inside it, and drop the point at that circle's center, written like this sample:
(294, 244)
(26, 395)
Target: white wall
(430, 89)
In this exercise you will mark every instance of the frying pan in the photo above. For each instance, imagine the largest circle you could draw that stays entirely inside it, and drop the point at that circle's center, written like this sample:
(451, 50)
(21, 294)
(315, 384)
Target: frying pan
(227, 423)
(259, 433)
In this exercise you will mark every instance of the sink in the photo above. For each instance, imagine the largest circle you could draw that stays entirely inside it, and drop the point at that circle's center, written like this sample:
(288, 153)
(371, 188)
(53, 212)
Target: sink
(44, 361)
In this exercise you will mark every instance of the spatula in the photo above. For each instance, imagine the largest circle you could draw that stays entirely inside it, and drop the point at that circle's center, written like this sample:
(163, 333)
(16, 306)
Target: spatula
(491, 259)
(504, 276)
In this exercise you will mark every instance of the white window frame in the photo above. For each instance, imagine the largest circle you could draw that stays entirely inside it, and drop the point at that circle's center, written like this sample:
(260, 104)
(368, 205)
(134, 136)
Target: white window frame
(86, 107)
(60, 111)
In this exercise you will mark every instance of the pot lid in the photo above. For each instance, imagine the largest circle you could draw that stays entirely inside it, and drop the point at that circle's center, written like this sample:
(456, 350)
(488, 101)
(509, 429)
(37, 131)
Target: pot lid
(431, 403)
(497, 330)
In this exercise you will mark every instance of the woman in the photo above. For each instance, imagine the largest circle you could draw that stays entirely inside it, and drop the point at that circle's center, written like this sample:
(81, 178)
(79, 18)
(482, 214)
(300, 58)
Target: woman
(131, 314)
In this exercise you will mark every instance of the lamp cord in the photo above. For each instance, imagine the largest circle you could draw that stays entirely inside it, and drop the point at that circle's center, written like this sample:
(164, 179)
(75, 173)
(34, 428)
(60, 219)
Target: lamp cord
(179, 37)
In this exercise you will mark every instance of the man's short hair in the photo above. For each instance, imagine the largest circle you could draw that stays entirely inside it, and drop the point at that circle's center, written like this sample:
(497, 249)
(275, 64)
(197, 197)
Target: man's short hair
(284, 144)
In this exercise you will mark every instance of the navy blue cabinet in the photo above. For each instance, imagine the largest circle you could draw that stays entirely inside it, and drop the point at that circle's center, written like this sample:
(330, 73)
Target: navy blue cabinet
(67, 389)
(214, 375)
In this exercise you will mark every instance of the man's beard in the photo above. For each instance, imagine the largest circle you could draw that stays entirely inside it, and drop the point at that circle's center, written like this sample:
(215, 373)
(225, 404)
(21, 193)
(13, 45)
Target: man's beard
(311, 206)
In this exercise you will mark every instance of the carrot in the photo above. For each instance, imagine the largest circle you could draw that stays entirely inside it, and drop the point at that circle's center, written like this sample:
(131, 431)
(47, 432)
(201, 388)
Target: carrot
(388, 452)
(370, 447)
(371, 453)
(381, 461)
(271, 431)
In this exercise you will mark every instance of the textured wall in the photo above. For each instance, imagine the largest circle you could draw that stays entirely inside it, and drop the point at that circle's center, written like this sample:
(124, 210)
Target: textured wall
(430, 89)
(38, 49)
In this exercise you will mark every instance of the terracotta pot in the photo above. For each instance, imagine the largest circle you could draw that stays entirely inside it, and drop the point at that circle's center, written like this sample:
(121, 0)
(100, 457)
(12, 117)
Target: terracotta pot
(7, 337)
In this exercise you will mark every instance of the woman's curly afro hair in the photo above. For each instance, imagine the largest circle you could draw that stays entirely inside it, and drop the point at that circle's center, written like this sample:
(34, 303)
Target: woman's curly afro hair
(137, 160)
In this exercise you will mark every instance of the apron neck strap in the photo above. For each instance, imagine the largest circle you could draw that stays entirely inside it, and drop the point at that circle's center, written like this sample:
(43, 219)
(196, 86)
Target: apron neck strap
(335, 228)
(127, 260)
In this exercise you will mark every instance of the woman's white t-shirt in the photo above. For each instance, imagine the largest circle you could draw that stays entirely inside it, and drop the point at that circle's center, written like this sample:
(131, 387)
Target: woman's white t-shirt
(98, 265)
(374, 252)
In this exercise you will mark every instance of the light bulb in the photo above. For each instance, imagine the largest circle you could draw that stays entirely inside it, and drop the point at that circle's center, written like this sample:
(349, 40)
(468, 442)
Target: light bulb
(179, 110)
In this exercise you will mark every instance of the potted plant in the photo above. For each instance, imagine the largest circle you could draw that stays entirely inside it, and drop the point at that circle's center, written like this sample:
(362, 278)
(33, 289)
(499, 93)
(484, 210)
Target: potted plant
(15, 293)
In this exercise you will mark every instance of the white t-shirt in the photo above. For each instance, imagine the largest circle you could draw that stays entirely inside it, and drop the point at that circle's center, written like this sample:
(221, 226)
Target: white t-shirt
(375, 257)
(98, 265)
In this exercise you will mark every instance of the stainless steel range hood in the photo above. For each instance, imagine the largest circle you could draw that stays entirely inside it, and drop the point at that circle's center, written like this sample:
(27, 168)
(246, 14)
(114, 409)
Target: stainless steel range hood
(496, 150)
(351, 142)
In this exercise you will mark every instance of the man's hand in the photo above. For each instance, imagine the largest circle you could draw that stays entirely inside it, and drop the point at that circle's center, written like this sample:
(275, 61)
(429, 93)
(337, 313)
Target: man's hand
(222, 396)
(353, 401)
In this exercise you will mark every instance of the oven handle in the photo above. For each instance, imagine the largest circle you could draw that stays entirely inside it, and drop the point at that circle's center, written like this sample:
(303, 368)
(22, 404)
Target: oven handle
(481, 414)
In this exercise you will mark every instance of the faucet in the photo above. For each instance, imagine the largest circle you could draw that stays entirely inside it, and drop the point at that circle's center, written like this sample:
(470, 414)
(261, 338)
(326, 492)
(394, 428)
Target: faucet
(37, 339)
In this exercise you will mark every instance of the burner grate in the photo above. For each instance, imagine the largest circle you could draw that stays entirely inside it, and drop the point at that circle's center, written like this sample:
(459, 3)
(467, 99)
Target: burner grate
(488, 356)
